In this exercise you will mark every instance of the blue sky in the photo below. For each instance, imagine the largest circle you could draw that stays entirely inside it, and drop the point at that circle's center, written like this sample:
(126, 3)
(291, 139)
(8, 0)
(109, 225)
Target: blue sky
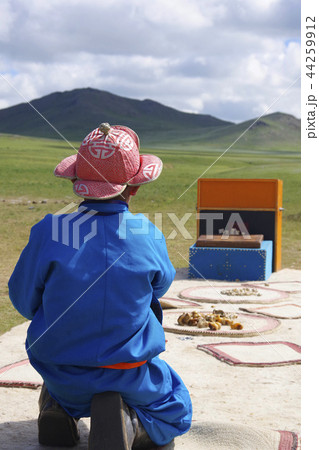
(228, 58)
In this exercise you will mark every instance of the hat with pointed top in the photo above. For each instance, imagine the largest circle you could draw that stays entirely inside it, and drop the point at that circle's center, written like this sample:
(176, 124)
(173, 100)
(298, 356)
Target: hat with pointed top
(108, 160)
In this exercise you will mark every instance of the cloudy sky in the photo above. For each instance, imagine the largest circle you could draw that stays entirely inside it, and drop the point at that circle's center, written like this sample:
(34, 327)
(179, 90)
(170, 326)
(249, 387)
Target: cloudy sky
(228, 58)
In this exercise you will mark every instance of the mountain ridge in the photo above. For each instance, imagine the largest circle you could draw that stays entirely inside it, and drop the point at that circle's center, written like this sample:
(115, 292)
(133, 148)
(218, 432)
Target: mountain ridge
(75, 113)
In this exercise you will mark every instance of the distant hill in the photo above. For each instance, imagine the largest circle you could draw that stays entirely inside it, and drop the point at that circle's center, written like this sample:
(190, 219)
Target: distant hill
(75, 113)
(277, 131)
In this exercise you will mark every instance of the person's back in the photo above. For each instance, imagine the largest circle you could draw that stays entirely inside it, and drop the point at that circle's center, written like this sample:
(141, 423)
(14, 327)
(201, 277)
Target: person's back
(93, 301)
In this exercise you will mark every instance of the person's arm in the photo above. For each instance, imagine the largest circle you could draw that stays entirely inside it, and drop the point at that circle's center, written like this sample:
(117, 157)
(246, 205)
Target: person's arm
(165, 276)
(26, 284)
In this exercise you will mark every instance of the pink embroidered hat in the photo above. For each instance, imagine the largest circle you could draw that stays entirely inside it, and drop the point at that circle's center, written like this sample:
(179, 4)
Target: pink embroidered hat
(108, 160)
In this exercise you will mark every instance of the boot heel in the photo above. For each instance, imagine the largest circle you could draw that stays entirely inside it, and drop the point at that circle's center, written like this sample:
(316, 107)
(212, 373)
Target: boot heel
(108, 427)
(57, 429)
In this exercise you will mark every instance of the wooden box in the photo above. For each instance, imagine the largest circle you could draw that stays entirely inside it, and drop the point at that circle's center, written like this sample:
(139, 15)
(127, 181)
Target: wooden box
(231, 264)
(258, 203)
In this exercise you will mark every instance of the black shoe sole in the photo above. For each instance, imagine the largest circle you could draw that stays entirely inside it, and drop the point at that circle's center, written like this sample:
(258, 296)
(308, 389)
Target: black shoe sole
(108, 431)
(57, 429)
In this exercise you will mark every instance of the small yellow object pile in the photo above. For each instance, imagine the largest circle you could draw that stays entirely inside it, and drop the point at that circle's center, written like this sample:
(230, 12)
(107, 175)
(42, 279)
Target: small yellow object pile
(245, 291)
(213, 321)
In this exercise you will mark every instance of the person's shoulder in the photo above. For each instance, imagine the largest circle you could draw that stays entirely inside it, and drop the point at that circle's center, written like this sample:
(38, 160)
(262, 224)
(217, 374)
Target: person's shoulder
(44, 226)
(41, 231)
(43, 223)
(50, 219)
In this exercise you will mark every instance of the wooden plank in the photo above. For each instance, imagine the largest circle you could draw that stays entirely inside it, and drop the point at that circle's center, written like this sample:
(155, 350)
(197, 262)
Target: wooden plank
(237, 193)
(216, 240)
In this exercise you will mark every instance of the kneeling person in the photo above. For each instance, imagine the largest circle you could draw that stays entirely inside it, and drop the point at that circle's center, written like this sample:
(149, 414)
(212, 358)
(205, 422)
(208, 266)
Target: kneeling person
(95, 332)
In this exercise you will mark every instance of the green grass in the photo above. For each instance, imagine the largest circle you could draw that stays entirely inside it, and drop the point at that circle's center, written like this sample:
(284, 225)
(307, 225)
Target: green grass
(26, 176)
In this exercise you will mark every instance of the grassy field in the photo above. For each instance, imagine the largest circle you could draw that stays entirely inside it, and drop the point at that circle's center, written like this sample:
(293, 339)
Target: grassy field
(29, 191)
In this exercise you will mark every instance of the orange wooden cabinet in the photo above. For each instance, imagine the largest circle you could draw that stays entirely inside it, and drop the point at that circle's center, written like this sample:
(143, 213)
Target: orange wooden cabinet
(257, 201)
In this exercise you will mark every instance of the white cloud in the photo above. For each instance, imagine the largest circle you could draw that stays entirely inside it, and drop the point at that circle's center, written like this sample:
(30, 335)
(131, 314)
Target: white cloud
(227, 58)
(7, 19)
(180, 14)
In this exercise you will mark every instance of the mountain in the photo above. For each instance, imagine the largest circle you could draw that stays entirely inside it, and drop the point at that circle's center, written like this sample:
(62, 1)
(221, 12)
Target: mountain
(75, 113)
(277, 131)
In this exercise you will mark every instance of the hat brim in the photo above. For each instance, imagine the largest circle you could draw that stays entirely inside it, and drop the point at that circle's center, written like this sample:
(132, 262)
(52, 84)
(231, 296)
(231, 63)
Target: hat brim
(66, 168)
(97, 190)
(150, 169)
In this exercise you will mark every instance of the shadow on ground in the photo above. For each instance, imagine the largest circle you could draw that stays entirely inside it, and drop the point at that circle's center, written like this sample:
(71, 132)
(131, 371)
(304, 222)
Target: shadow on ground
(23, 435)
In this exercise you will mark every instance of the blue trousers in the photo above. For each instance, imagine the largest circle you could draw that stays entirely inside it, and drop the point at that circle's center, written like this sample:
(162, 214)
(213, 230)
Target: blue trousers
(154, 390)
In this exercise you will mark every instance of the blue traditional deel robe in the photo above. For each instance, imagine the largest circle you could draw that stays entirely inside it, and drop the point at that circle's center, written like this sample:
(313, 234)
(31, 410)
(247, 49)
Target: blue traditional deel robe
(89, 282)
